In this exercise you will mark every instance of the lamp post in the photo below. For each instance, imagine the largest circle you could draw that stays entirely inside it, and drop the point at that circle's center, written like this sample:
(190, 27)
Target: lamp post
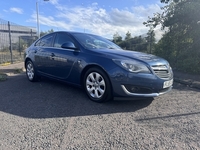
(38, 27)
(38, 22)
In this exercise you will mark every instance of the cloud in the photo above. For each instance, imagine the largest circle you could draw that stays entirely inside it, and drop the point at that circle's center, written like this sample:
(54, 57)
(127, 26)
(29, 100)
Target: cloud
(97, 20)
(54, 2)
(50, 22)
(123, 18)
(16, 10)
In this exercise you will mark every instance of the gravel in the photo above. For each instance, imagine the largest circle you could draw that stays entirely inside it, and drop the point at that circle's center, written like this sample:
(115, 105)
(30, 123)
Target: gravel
(51, 115)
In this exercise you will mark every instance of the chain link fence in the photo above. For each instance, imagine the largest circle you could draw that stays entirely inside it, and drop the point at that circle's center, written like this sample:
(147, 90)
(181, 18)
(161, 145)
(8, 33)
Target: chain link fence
(14, 39)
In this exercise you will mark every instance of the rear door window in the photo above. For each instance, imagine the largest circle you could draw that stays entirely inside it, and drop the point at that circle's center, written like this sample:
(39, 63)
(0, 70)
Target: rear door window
(45, 41)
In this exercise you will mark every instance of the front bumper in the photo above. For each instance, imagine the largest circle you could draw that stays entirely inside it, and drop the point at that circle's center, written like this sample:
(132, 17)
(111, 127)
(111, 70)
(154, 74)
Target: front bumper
(139, 85)
(145, 94)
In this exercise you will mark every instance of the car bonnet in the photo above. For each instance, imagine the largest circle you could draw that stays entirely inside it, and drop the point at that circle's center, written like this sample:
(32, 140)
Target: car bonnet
(127, 54)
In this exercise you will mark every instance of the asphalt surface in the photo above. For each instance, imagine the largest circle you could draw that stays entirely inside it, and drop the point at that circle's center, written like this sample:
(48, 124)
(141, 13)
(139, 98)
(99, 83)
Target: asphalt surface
(54, 116)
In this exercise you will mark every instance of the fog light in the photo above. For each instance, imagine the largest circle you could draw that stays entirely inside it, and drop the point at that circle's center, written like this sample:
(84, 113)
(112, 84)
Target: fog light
(133, 89)
(137, 89)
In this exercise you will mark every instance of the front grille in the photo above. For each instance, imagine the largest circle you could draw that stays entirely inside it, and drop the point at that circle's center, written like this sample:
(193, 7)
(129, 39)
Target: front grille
(162, 71)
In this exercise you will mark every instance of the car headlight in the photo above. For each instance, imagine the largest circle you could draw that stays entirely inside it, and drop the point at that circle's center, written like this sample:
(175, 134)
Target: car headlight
(132, 66)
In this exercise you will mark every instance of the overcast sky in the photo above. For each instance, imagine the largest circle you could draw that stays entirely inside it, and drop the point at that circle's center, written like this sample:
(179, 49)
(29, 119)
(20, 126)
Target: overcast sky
(102, 17)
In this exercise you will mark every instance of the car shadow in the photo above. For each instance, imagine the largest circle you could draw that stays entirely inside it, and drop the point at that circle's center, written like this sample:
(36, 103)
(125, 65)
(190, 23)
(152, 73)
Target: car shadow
(52, 99)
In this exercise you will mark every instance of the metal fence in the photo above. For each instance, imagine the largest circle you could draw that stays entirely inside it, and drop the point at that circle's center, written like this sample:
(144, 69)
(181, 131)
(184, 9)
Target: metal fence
(14, 39)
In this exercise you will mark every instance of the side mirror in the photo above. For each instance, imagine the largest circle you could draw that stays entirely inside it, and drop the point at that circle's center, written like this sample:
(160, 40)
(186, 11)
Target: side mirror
(69, 45)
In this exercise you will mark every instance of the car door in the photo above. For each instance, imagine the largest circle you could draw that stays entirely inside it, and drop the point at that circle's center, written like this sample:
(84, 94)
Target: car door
(62, 59)
(43, 54)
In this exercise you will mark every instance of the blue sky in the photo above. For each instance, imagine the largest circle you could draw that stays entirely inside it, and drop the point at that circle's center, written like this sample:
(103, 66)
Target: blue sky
(102, 17)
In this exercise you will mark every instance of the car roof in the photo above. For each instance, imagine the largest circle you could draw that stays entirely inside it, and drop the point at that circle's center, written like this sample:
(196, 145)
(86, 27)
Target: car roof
(69, 32)
(72, 32)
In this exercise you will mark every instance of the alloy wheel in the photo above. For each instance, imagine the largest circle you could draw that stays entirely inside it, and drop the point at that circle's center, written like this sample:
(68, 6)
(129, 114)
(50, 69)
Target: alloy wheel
(95, 85)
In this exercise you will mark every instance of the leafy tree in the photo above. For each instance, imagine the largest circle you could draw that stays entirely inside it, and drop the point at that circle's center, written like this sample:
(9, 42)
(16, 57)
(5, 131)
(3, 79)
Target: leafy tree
(137, 43)
(167, 1)
(151, 41)
(127, 41)
(180, 45)
(117, 38)
(128, 36)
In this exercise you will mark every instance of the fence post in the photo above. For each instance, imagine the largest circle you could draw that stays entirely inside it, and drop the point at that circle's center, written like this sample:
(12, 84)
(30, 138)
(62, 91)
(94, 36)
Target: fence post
(31, 37)
(31, 32)
(10, 47)
(20, 47)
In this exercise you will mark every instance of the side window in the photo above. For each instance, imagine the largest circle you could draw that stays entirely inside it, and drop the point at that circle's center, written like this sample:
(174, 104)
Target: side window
(45, 41)
(62, 38)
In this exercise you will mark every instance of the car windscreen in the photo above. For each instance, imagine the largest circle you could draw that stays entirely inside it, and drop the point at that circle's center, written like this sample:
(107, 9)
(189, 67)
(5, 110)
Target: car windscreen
(89, 41)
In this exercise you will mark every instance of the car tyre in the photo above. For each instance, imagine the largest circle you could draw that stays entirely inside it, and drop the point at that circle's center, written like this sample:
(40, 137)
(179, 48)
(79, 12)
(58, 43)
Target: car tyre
(30, 71)
(97, 85)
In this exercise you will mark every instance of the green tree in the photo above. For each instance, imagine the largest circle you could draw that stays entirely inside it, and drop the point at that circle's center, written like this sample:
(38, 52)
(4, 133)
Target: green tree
(151, 41)
(117, 38)
(127, 41)
(137, 43)
(128, 36)
(167, 1)
(180, 45)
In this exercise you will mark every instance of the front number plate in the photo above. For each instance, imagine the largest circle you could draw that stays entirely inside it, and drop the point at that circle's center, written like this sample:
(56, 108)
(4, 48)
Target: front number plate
(167, 84)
